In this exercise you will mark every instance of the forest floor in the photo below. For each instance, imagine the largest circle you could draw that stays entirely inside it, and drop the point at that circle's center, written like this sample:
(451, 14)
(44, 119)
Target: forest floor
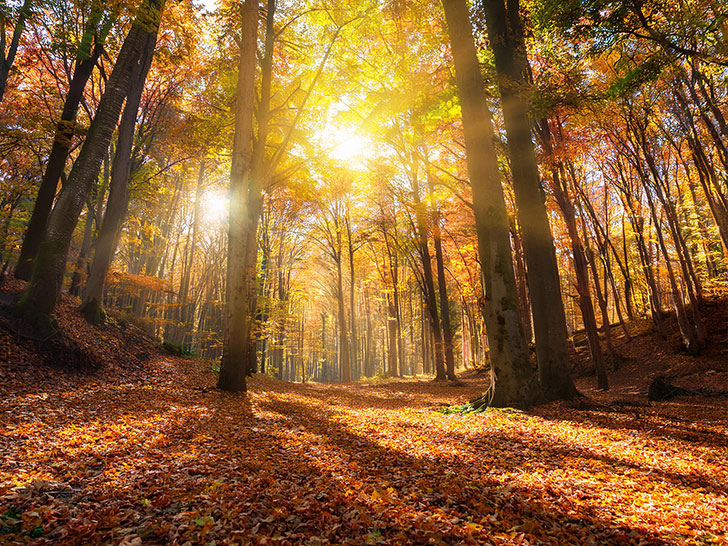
(143, 450)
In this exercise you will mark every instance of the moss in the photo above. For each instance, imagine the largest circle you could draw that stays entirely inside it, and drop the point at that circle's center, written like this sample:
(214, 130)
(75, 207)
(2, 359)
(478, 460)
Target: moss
(176, 350)
(93, 312)
(480, 406)
(509, 303)
(43, 324)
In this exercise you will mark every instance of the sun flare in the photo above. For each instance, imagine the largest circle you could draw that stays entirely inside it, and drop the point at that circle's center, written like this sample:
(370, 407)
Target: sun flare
(215, 207)
(352, 147)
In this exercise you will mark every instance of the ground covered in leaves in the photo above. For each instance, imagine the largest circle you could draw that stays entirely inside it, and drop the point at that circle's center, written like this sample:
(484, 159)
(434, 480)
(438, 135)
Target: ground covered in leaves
(165, 461)
(150, 453)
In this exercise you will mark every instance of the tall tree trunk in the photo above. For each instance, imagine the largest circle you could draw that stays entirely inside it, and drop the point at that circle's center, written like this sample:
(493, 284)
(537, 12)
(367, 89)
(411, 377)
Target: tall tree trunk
(118, 202)
(240, 276)
(352, 293)
(49, 265)
(521, 278)
(62, 141)
(368, 359)
(344, 348)
(391, 331)
(426, 353)
(586, 306)
(429, 284)
(257, 182)
(549, 320)
(688, 332)
(515, 383)
(447, 342)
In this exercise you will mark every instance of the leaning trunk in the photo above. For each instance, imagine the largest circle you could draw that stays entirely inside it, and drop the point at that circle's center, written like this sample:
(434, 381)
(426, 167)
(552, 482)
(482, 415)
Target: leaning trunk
(55, 164)
(118, 202)
(49, 266)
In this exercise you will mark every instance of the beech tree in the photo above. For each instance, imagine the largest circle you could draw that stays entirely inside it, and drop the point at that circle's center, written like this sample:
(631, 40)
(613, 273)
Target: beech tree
(49, 265)
(515, 382)
(87, 56)
(116, 206)
(244, 194)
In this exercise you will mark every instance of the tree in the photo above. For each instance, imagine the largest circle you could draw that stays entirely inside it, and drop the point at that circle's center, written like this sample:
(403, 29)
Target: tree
(515, 383)
(49, 265)
(243, 216)
(116, 207)
(549, 322)
(563, 198)
(87, 55)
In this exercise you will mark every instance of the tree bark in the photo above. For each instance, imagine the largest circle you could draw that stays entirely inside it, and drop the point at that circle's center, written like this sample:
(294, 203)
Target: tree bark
(49, 265)
(240, 276)
(586, 305)
(549, 320)
(429, 284)
(118, 202)
(447, 341)
(352, 292)
(515, 382)
(344, 348)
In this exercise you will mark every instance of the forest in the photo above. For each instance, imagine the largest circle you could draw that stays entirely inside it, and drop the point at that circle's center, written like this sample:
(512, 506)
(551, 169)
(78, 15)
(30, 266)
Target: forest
(363, 272)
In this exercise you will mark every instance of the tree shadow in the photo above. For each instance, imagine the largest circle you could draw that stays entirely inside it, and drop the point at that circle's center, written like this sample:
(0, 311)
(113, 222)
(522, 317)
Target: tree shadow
(458, 490)
(284, 461)
(637, 418)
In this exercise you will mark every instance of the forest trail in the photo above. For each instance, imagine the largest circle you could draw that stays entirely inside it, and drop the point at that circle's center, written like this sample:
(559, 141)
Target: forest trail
(160, 457)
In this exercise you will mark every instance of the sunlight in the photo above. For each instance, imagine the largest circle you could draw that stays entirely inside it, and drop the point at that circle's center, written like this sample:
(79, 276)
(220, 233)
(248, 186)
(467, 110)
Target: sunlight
(344, 145)
(352, 148)
(208, 5)
(214, 207)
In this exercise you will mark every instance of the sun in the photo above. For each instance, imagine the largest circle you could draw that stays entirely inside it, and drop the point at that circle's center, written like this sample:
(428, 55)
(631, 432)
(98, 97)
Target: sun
(215, 206)
(344, 145)
(351, 148)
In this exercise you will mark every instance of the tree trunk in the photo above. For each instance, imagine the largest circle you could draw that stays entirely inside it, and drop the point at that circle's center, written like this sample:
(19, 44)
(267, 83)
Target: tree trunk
(240, 276)
(55, 164)
(391, 330)
(586, 306)
(687, 330)
(344, 348)
(447, 342)
(515, 383)
(49, 265)
(81, 265)
(549, 321)
(429, 284)
(352, 293)
(521, 278)
(118, 202)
